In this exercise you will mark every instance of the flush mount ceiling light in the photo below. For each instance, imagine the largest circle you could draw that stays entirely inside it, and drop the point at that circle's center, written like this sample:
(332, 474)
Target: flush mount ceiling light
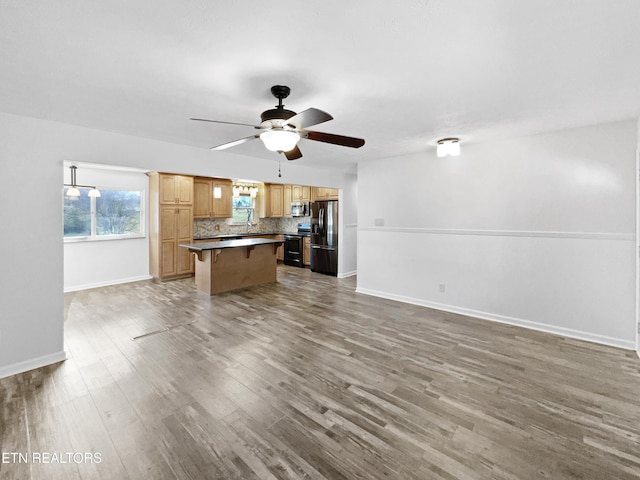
(448, 147)
(73, 192)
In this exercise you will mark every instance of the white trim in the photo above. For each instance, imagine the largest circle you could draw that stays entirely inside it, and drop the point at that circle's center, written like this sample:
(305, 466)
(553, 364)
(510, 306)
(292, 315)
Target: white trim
(103, 166)
(637, 242)
(348, 274)
(504, 233)
(31, 364)
(565, 332)
(107, 283)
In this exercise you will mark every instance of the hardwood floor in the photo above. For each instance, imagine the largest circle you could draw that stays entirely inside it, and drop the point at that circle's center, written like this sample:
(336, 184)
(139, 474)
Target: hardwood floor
(306, 379)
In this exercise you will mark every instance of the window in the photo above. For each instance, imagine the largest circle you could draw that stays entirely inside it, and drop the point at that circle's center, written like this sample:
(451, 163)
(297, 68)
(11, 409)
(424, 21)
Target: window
(243, 206)
(115, 214)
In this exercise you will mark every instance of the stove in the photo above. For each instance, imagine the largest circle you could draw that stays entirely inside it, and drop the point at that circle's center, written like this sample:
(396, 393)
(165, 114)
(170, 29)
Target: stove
(294, 245)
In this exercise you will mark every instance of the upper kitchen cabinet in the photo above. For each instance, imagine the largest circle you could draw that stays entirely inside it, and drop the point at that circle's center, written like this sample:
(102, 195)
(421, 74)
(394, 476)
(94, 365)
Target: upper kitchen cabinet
(274, 200)
(212, 198)
(322, 193)
(300, 193)
(175, 189)
(286, 201)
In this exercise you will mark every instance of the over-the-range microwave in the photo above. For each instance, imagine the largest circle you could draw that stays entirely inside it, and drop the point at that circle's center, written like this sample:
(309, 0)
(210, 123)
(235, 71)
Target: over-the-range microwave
(300, 209)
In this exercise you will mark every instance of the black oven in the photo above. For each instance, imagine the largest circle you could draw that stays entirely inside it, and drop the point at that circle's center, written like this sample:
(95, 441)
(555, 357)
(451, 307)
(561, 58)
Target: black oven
(293, 245)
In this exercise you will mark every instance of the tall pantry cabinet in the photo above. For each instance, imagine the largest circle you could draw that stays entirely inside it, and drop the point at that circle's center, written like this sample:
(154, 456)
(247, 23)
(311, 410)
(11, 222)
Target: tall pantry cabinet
(170, 224)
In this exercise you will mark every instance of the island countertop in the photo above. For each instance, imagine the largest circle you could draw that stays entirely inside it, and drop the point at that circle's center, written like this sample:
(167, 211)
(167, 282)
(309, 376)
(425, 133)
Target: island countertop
(245, 242)
(232, 264)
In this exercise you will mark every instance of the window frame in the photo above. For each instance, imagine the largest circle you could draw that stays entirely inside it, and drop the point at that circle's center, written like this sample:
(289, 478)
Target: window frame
(93, 237)
(252, 208)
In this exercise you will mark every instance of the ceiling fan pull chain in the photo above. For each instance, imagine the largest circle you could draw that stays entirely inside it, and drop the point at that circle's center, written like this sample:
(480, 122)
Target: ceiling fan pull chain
(279, 172)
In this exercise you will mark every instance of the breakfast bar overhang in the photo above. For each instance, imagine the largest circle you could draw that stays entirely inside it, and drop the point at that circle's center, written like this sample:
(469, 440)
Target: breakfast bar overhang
(232, 264)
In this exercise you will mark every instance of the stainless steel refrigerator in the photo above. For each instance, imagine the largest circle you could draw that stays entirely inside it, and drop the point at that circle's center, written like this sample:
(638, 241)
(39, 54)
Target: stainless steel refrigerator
(324, 237)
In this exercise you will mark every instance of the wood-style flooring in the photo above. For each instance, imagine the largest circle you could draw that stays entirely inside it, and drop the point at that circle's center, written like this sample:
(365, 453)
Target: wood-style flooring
(305, 379)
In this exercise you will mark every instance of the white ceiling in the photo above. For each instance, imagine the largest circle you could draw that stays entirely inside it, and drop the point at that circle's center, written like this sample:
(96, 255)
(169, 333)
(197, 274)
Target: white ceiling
(399, 74)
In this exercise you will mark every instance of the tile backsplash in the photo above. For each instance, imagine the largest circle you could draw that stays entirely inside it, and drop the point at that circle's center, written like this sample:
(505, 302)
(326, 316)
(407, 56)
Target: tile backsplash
(206, 227)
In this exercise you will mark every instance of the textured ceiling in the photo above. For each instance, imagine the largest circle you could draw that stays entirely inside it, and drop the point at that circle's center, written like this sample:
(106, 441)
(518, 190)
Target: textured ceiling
(399, 74)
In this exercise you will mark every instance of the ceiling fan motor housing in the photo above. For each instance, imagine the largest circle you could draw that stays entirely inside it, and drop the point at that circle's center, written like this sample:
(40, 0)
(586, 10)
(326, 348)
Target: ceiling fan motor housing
(278, 113)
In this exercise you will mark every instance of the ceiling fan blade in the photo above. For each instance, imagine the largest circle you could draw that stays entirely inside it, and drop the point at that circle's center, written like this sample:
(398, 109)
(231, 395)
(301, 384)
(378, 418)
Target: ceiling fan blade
(309, 117)
(228, 123)
(293, 154)
(333, 138)
(240, 141)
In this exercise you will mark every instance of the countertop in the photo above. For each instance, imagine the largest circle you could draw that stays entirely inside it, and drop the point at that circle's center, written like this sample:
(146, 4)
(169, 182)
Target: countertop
(246, 242)
(236, 235)
(248, 234)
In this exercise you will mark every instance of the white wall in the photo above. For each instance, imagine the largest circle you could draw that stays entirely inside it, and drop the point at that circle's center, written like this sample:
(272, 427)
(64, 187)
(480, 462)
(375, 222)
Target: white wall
(95, 263)
(348, 235)
(32, 153)
(536, 231)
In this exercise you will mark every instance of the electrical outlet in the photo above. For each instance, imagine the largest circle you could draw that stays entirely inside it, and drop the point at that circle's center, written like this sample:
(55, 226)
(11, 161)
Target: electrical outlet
(217, 228)
(441, 287)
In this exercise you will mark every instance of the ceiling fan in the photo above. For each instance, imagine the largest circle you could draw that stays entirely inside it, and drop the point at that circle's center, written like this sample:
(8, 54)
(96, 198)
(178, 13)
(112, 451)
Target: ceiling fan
(282, 129)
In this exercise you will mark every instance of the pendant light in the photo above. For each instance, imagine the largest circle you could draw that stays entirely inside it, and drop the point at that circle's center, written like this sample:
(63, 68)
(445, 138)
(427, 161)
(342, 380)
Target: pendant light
(73, 192)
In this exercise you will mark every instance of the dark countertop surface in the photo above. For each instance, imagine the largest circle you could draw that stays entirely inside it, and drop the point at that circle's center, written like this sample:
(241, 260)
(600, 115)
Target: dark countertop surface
(245, 242)
(242, 235)
(237, 235)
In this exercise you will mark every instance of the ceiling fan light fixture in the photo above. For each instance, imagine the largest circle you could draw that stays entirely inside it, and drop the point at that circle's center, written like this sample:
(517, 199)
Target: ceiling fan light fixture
(448, 147)
(280, 140)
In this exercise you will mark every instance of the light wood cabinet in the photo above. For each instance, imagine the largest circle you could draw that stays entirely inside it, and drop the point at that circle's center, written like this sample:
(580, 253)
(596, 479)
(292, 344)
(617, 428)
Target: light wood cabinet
(286, 201)
(175, 189)
(300, 193)
(280, 251)
(170, 224)
(278, 198)
(323, 193)
(206, 204)
(275, 200)
(306, 251)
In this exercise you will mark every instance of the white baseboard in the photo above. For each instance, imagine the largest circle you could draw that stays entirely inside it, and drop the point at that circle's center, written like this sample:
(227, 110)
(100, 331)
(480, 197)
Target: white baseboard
(348, 274)
(565, 332)
(27, 365)
(77, 288)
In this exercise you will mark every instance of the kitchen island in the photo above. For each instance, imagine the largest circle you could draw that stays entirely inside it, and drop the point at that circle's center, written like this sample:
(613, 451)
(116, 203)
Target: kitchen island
(232, 264)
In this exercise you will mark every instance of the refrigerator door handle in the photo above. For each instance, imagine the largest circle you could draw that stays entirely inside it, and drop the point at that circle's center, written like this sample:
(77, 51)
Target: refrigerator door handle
(321, 219)
(322, 247)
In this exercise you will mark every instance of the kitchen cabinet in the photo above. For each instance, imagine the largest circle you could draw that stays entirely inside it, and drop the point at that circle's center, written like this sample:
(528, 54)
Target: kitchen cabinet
(175, 189)
(170, 224)
(286, 201)
(212, 198)
(306, 251)
(323, 193)
(279, 197)
(275, 200)
(300, 193)
(280, 251)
